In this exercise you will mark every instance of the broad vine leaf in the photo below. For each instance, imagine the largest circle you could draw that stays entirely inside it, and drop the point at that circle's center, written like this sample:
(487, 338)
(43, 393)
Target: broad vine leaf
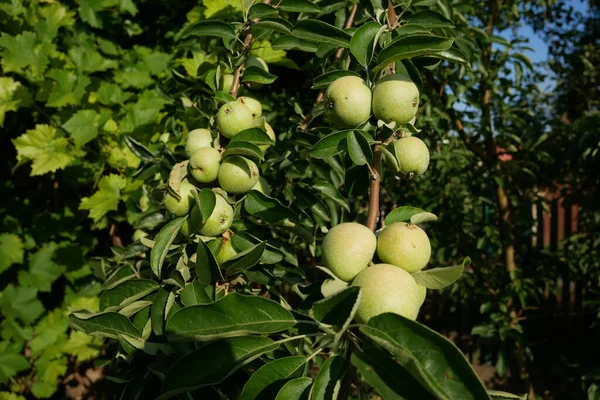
(83, 126)
(13, 95)
(24, 51)
(11, 251)
(68, 88)
(10, 365)
(42, 270)
(47, 151)
(88, 12)
(22, 303)
(233, 315)
(82, 346)
(106, 198)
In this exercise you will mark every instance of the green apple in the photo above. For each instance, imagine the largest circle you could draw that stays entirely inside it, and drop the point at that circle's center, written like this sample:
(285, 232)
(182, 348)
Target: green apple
(227, 251)
(347, 102)
(226, 82)
(395, 98)
(237, 174)
(219, 221)
(197, 139)
(232, 118)
(269, 131)
(404, 245)
(253, 104)
(262, 186)
(180, 207)
(387, 288)
(347, 249)
(413, 155)
(204, 164)
(423, 292)
(187, 228)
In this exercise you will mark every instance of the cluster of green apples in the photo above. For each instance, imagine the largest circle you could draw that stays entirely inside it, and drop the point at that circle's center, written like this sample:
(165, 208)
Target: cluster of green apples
(206, 167)
(348, 251)
(349, 102)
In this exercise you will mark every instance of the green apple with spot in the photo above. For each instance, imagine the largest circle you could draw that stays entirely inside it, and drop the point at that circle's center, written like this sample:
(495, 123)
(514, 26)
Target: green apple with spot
(204, 164)
(413, 155)
(347, 102)
(404, 245)
(197, 139)
(253, 104)
(227, 251)
(219, 221)
(347, 249)
(180, 207)
(237, 174)
(387, 288)
(226, 82)
(395, 98)
(232, 118)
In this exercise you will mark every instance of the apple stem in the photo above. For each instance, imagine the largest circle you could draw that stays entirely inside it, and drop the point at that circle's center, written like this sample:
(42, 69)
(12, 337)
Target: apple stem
(238, 71)
(374, 189)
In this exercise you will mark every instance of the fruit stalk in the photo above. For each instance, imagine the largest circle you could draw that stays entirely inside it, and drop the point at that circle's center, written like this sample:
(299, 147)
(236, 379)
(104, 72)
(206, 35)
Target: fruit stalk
(374, 189)
(238, 71)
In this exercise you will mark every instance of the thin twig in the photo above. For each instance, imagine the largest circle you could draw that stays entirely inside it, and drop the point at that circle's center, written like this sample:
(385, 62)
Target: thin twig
(338, 55)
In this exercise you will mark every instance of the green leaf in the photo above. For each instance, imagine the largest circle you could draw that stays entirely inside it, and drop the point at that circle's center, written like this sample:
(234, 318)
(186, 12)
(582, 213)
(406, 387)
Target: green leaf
(10, 365)
(245, 149)
(301, 6)
(68, 88)
(213, 363)
(13, 95)
(141, 151)
(194, 293)
(82, 346)
(439, 278)
(206, 200)
(331, 145)
(391, 381)
(87, 12)
(162, 242)
(103, 325)
(41, 146)
(321, 32)
(22, 51)
(402, 214)
(327, 381)
(274, 24)
(245, 260)
(409, 47)
(322, 81)
(416, 348)
(83, 126)
(50, 330)
(295, 389)
(11, 251)
(358, 148)
(255, 136)
(500, 395)
(268, 379)
(260, 10)
(362, 43)
(233, 315)
(430, 19)
(337, 309)
(455, 55)
(213, 7)
(22, 303)
(257, 75)
(126, 293)
(207, 268)
(423, 217)
(211, 28)
(106, 198)
(42, 270)
(158, 311)
(110, 94)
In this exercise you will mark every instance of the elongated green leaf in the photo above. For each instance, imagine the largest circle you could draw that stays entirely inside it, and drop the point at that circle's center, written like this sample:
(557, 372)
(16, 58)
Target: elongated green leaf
(110, 324)
(293, 43)
(213, 362)
(338, 308)
(499, 395)
(268, 379)
(258, 75)
(411, 46)
(245, 149)
(389, 378)
(194, 293)
(295, 389)
(260, 10)
(275, 24)
(233, 315)
(211, 28)
(146, 346)
(416, 348)
(301, 6)
(206, 200)
(363, 41)
(162, 242)
(255, 136)
(158, 312)
(402, 214)
(322, 81)
(423, 217)
(439, 278)
(244, 260)
(358, 148)
(126, 293)
(455, 55)
(321, 32)
(331, 145)
(243, 241)
(327, 381)
(138, 149)
(430, 19)
(207, 268)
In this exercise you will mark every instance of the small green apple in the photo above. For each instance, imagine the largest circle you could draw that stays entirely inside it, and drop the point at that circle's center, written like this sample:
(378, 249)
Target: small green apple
(219, 221)
(262, 186)
(404, 245)
(196, 139)
(253, 104)
(180, 207)
(387, 288)
(347, 249)
(186, 229)
(413, 155)
(237, 174)
(227, 251)
(226, 82)
(232, 118)
(347, 102)
(395, 98)
(269, 131)
(204, 164)
(423, 291)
